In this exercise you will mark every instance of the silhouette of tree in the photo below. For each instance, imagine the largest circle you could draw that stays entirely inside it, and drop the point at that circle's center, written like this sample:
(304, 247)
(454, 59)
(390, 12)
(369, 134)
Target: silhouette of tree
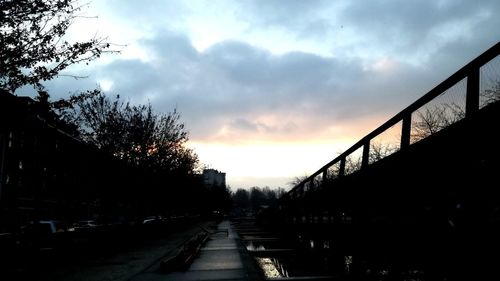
(32, 44)
(491, 95)
(241, 198)
(263, 196)
(280, 192)
(433, 119)
(297, 180)
(257, 198)
(133, 133)
(379, 151)
(270, 194)
(220, 198)
(352, 164)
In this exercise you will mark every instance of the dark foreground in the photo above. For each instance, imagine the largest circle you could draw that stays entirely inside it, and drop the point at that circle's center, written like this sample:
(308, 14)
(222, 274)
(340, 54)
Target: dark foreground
(119, 257)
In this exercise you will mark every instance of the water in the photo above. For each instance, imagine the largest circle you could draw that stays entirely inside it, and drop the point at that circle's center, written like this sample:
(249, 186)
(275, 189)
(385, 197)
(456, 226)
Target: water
(268, 266)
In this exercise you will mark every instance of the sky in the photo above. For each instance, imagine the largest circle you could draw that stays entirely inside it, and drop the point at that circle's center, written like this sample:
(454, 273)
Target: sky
(273, 90)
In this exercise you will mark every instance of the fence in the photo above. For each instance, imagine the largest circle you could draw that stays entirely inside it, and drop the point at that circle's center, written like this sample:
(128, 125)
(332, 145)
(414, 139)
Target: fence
(470, 89)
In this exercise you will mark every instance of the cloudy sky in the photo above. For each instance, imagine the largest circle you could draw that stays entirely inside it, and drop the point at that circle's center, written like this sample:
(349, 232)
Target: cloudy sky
(271, 90)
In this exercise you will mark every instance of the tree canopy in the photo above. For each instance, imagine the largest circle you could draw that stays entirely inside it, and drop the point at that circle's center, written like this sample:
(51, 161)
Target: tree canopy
(33, 47)
(133, 133)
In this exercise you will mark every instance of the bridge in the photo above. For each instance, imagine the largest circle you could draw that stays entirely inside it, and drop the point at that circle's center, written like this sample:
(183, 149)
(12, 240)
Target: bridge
(418, 197)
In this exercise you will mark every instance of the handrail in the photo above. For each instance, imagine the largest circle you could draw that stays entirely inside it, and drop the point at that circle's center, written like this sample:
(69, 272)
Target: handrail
(470, 71)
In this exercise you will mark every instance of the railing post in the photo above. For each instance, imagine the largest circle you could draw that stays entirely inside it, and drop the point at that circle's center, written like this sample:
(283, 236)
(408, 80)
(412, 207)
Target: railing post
(342, 167)
(472, 98)
(406, 132)
(366, 154)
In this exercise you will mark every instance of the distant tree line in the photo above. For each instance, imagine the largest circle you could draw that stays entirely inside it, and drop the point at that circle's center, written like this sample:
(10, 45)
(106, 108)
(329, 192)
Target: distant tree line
(255, 198)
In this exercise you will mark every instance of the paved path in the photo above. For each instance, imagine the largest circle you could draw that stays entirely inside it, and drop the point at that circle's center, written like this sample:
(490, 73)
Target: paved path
(125, 266)
(223, 257)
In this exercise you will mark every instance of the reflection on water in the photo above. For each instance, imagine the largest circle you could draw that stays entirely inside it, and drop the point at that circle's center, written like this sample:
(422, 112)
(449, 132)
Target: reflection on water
(326, 244)
(268, 267)
(252, 247)
(271, 267)
(347, 262)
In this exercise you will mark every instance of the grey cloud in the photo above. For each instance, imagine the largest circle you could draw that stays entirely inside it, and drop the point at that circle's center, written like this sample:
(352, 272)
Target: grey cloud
(404, 28)
(231, 84)
(298, 18)
(316, 29)
(242, 125)
(240, 61)
(293, 13)
(145, 14)
(235, 81)
(170, 46)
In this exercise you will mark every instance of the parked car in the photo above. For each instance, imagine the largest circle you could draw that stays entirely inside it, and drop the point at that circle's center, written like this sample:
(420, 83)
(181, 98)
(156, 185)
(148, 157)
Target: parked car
(88, 224)
(55, 226)
(44, 234)
(152, 220)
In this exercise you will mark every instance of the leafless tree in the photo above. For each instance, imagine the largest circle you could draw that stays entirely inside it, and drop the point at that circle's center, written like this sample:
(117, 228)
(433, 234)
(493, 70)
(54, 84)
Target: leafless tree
(352, 164)
(333, 172)
(380, 150)
(430, 120)
(33, 46)
(491, 95)
(297, 180)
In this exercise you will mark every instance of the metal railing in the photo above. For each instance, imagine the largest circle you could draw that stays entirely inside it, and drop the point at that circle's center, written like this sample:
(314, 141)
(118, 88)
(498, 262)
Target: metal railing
(460, 96)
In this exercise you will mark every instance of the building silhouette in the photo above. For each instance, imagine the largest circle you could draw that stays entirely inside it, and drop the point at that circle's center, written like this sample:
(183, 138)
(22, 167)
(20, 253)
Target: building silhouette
(45, 173)
(212, 177)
